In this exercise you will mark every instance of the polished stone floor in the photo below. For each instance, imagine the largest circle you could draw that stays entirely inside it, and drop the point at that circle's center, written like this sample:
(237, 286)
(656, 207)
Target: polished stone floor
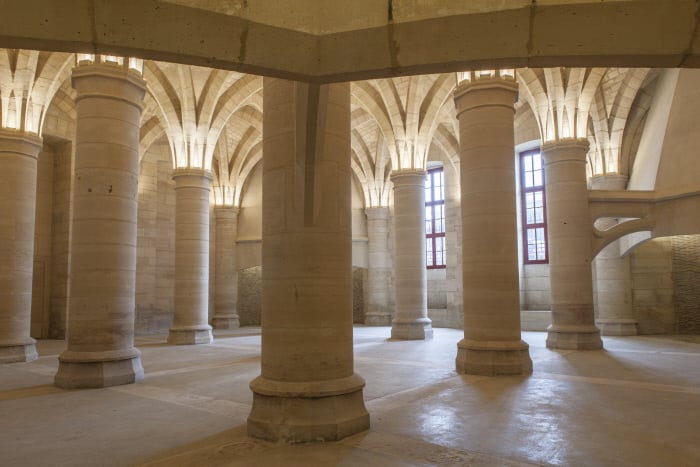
(635, 404)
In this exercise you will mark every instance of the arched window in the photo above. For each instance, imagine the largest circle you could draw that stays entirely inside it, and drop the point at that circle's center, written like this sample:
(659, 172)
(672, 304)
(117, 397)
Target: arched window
(435, 218)
(534, 208)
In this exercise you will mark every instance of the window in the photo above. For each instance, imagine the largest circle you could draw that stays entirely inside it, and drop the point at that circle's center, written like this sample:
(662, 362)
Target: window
(435, 218)
(534, 208)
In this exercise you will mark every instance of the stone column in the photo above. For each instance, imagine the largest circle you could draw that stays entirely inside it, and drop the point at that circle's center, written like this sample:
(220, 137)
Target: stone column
(100, 328)
(226, 286)
(569, 235)
(379, 271)
(613, 275)
(492, 345)
(307, 390)
(191, 301)
(410, 277)
(18, 168)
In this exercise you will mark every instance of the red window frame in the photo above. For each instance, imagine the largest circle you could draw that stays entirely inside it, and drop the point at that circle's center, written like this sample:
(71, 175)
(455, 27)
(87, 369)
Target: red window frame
(435, 247)
(534, 232)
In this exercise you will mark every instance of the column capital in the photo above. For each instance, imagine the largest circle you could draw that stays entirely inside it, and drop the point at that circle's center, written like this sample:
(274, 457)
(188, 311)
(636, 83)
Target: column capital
(192, 177)
(110, 82)
(21, 143)
(570, 149)
(408, 177)
(487, 92)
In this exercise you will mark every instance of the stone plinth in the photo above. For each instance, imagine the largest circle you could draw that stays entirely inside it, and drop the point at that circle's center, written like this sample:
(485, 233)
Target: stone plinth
(307, 390)
(410, 279)
(100, 330)
(492, 345)
(18, 159)
(191, 301)
(570, 256)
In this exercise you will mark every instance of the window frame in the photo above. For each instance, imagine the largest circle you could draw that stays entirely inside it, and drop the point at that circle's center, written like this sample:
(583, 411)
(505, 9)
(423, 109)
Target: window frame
(524, 225)
(431, 262)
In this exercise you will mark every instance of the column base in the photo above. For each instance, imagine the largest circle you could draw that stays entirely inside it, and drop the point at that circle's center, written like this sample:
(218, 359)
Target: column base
(225, 322)
(376, 319)
(300, 412)
(81, 370)
(418, 329)
(493, 358)
(190, 335)
(573, 337)
(18, 352)
(617, 327)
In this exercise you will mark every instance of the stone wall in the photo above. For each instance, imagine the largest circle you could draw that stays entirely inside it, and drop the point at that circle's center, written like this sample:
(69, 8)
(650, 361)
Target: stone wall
(250, 295)
(536, 293)
(686, 282)
(652, 289)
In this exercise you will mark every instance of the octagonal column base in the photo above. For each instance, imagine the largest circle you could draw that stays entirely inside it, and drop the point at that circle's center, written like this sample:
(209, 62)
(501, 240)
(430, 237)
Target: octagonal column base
(617, 327)
(18, 352)
(493, 358)
(417, 329)
(573, 337)
(190, 335)
(226, 322)
(298, 412)
(82, 370)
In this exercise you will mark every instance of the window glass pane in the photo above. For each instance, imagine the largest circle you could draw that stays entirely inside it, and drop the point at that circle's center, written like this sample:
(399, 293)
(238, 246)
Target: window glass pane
(538, 199)
(529, 200)
(428, 195)
(539, 215)
(531, 236)
(536, 161)
(530, 216)
(527, 161)
(531, 252)
(528, 180)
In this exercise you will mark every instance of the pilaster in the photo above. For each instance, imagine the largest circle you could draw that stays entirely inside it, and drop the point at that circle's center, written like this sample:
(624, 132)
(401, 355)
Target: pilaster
(379, 271)
(226, 282)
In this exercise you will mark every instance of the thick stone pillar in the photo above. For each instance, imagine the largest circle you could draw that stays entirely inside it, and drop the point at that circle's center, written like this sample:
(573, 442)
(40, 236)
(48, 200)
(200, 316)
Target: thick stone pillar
(18, 168)
(613, 275)
(307, 389)
(191, 301)
(100, 328)
(569, 235)
(410, 277)
(379, 271)
(226, 286)
(492, 344)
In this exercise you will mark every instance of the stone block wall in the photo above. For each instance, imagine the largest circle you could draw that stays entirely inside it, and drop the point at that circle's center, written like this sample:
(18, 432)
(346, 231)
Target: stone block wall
(652, 289)
(686, 282)
(250, 295)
